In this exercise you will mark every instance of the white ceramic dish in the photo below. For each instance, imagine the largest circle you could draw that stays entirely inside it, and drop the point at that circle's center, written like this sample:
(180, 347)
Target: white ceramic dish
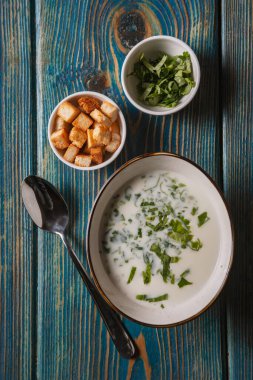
(60, 153)
(150, 47)
(204, 297)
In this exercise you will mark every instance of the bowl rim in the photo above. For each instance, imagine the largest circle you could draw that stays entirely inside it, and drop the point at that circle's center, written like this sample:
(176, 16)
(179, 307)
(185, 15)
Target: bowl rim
(123, 131)
(108, 301)
(167, 111)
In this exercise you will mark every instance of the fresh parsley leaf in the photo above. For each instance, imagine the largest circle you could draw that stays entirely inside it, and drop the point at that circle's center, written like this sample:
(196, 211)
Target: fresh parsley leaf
(139, 232)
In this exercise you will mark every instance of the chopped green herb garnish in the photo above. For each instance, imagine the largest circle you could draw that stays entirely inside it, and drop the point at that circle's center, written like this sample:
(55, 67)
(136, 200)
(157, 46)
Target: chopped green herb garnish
(165, 260)
(187, 271)
(194, 210)
(145, 203)
(165, 80)
(174, 259)
(141, 297)
(203, 218)
(131, 275)
(139, 232)
(144, 297)
(183, 282)
(180, 232)
(147, 274)
(163, 297)
(196, 245)
(130, 220)
(162, 306)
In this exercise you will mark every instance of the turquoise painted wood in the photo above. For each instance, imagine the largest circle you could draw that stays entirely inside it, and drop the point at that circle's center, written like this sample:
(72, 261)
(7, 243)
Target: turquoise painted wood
(237, 57)
(50, 328)
(18, 237)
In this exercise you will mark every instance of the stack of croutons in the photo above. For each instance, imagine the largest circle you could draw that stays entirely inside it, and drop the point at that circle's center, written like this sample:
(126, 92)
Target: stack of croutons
(86, 132)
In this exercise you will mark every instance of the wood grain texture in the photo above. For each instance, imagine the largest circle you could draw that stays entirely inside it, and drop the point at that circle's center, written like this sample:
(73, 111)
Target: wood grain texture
(17, 153)
(82, 45)
(237, 84)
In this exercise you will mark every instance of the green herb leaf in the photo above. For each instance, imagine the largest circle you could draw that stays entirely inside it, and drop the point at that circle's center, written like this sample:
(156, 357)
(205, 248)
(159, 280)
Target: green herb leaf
(203, 218)
(165, 260)
(165, 80)
(194, 210)
(141, 297)
(144, 297)
(147, 274)
(187, 271)
(131, 275)
(196, 245)
(139, 232)
(183, 282)
(174, 259)
(180, 231)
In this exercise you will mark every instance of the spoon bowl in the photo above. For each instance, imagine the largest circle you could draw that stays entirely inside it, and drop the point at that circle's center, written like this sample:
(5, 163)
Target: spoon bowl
(45, 205)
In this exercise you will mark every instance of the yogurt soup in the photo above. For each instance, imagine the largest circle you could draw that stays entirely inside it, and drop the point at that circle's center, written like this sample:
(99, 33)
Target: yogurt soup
(160, 239)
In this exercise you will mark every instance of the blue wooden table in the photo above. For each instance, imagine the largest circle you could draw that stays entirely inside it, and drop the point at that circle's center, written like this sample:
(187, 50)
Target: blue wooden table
(49, 327)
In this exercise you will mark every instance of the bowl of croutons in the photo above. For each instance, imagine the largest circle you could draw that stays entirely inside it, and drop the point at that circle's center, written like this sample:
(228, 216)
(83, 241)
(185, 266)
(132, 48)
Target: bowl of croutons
(87, 130)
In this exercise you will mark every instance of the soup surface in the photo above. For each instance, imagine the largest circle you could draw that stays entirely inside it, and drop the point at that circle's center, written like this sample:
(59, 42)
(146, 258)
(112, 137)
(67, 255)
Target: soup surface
(160, 239)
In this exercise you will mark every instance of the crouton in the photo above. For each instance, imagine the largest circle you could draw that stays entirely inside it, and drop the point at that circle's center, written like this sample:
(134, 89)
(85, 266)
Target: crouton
(82, 121)
(88, 104)
(114, 128)
(77, 136)
(92, 143)
(67, 111)
(97, 155)
(60, 139)
(83, 160)
(100, 117)
(102, 134)
(61, 124)
(109, 110)
(71, 153)
(112, 146)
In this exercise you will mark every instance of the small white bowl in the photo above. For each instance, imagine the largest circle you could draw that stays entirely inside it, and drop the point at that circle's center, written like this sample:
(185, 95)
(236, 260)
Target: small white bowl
(204, 296)
(152, 46)
(59, 153)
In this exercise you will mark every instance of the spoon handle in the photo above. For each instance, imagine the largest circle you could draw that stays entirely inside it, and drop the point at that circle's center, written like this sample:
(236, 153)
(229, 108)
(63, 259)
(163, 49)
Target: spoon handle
(119, 335)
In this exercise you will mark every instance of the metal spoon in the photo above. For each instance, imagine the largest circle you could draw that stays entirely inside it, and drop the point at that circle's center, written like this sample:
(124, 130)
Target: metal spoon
(49, 212)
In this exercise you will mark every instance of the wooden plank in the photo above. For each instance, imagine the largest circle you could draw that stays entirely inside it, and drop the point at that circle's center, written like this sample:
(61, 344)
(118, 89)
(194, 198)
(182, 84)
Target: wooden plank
(17, 152)
(81, 45)
(237, 84)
